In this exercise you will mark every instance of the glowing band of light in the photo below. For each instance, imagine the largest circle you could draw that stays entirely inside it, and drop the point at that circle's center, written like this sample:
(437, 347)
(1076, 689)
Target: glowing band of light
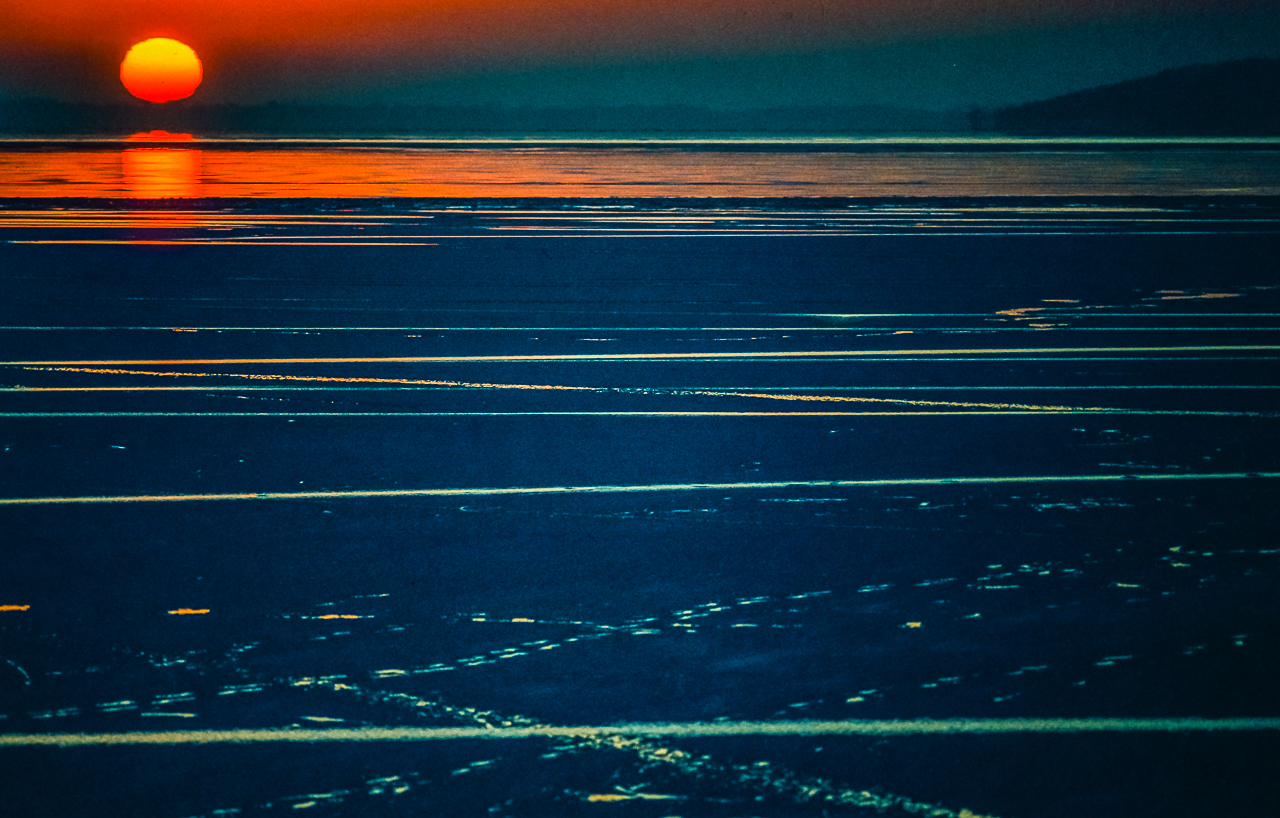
(671, 730)
(477, 492)
(652, 356)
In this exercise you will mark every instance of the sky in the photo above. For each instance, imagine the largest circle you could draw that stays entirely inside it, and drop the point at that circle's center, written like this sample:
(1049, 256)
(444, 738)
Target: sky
(933, 54)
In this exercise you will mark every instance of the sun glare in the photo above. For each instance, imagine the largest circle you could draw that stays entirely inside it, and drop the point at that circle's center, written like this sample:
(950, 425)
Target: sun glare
(161, 70)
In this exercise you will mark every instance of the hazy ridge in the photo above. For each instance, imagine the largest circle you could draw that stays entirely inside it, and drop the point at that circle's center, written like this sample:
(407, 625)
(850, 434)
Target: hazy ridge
(1239, 98)
(39, 116)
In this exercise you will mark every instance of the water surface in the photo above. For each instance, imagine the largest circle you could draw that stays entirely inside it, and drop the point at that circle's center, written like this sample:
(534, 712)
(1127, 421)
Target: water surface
(956, 506)
(169, 166)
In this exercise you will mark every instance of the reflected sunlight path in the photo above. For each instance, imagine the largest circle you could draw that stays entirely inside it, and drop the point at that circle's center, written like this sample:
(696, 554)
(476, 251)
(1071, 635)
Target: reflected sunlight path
(657, 487)
(671, 730)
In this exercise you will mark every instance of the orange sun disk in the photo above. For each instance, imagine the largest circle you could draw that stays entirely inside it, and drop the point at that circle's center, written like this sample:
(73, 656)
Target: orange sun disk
(161, 70)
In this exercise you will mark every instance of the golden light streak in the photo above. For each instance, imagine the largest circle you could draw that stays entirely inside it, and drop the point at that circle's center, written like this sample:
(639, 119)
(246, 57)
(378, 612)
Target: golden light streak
(596, 389)
(320, 378)
(188, 611)
(670, 730)
(658, 487)
(659, 391)
(15, 607)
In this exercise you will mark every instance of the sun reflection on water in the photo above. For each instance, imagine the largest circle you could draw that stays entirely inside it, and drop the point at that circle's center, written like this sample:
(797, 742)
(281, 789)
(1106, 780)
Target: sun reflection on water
(159, 171)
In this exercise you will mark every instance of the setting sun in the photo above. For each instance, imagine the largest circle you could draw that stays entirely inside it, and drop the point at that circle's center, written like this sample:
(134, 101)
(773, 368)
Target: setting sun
(161, 70)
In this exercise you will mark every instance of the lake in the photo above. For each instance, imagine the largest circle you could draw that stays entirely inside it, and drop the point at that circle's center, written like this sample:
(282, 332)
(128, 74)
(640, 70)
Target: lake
(710, 478)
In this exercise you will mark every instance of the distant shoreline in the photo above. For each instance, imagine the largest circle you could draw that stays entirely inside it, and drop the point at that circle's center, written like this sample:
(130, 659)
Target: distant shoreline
(896, 143)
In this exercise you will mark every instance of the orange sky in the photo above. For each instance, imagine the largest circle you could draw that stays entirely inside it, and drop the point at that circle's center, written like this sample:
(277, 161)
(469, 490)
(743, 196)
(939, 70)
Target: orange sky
(451, 29)
(70, 48)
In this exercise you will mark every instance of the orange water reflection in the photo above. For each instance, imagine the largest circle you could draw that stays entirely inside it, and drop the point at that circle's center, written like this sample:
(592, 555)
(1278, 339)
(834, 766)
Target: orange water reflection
(160, 136)
(576, 172)
(158, 171)
(161, 173)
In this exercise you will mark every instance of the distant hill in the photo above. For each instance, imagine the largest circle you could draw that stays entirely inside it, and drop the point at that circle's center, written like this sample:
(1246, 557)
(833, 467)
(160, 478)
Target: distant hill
(48, 117)
(1240, 98)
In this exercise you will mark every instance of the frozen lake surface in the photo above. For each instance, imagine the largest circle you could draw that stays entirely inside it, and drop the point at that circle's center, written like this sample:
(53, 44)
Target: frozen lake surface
(736, 486)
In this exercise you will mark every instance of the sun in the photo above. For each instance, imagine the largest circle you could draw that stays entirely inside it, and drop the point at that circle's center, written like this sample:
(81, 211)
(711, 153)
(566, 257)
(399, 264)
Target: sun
(161, 70)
